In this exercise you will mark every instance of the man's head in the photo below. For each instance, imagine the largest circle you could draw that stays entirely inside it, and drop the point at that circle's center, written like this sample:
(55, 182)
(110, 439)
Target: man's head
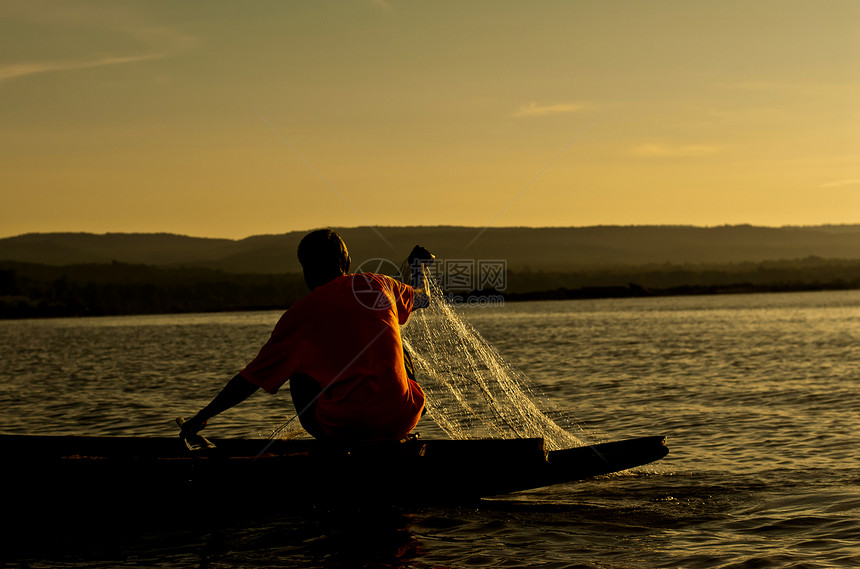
(323, 256)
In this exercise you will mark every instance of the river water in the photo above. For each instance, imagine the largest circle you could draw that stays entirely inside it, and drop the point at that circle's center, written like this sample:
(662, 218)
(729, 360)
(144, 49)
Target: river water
(758, 394)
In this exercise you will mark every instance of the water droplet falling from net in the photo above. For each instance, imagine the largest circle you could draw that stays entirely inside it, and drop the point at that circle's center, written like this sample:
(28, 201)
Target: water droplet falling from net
(472, 391)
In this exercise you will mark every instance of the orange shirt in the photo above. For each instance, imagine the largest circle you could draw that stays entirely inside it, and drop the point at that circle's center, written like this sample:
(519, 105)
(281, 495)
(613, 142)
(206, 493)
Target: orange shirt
(346, 335)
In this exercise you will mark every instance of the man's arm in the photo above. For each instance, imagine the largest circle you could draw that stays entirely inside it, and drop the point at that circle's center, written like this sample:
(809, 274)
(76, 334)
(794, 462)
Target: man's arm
(237, 390)
(418, 258)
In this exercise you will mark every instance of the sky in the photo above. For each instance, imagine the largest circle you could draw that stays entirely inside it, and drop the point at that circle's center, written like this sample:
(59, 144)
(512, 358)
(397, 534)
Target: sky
(231, 119)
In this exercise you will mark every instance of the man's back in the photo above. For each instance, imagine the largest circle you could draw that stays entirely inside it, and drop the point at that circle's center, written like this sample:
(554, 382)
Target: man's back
(346, 336)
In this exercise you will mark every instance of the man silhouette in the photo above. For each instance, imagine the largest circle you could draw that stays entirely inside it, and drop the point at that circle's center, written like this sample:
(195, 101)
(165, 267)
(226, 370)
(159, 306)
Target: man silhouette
(350, 378)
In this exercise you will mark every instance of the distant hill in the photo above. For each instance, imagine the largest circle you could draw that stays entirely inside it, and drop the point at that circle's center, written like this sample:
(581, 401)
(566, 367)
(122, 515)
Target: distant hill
(550, 249)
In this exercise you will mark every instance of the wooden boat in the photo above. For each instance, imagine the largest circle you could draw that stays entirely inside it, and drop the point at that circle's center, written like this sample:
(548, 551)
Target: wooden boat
(71, 473)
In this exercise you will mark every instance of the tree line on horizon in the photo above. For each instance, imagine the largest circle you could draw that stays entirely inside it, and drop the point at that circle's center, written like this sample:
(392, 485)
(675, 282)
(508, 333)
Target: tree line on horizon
(32, 291)
(809, 274)
(29, 290)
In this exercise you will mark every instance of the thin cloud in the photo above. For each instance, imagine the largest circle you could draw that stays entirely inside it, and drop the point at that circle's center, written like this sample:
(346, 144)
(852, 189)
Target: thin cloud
(158, 41)
(14, 70)
(660, 150)
(127, 20)
(536, 110)
(841, 183)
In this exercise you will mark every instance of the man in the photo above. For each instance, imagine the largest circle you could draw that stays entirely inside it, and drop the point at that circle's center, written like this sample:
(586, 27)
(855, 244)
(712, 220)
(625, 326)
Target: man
(340, 349)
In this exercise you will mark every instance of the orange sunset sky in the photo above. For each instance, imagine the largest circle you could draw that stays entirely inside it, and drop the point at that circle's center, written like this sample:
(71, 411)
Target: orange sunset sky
(229, 119)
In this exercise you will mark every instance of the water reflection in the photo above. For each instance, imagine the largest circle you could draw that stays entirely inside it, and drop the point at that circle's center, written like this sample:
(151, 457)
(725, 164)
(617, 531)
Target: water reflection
(331, 538)
(342, 537)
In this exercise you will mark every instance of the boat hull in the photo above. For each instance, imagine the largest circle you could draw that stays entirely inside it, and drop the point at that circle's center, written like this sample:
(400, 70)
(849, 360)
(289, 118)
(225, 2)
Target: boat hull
(73, 473)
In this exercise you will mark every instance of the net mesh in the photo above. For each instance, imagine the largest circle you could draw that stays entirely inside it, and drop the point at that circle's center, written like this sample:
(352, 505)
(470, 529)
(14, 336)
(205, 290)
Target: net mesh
(472, 391)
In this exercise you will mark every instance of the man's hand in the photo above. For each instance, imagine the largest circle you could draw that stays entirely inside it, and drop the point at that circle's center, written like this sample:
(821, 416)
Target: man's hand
(418, 258)
(421, 255)
(193, 426)
(237, 390)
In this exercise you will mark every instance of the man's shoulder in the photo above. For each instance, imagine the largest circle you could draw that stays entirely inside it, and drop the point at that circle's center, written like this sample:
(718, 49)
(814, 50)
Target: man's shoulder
(377, 279)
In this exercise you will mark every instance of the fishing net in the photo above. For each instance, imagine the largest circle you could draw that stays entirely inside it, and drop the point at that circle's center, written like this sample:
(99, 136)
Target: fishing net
(472, 391)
